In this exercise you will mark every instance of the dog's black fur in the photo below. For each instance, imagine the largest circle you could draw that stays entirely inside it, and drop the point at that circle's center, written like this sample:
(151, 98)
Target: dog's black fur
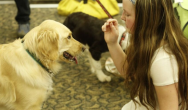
(87, 30)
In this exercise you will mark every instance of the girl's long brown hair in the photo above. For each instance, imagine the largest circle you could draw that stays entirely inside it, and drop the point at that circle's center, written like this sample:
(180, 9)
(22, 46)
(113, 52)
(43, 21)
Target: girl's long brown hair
(154, 22)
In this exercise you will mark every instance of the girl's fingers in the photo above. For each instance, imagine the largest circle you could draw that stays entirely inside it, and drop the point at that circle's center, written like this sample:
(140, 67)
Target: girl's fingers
(109, 23)
(114, 21)
(104, 27)
(112, 25)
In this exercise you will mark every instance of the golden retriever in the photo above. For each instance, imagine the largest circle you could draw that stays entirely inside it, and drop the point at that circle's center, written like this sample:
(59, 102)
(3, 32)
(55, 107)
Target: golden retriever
(27, 65)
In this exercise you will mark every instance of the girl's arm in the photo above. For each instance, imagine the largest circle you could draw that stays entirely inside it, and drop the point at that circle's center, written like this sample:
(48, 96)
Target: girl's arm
(167, 97)
(118, 57)
(111, 33)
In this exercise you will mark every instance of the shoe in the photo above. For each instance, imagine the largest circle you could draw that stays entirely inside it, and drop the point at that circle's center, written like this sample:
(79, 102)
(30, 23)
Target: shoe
(23, 29)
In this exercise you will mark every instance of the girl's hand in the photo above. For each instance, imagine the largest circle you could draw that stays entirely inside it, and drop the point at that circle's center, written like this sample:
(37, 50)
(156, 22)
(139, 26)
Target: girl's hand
(111, 31)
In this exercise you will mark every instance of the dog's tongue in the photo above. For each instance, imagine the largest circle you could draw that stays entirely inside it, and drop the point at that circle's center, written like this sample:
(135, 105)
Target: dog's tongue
(76, 61)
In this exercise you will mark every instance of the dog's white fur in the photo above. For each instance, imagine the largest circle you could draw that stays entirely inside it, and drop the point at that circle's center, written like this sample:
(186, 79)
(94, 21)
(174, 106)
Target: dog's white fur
(24, 84)
(96, 67)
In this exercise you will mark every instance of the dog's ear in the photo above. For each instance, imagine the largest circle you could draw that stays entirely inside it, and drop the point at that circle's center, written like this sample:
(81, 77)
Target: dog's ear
(47, 44)
(7, 90)
(66, 22)
(70, 22)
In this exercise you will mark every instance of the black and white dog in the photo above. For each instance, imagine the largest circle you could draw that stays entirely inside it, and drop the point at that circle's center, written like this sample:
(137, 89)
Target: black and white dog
(87, 30)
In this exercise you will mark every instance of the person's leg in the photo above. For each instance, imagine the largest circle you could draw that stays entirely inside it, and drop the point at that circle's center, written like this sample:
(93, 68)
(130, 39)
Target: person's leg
(22, 17)
(23, 12)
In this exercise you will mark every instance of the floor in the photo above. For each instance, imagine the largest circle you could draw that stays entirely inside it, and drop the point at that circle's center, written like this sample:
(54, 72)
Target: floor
(75, 87)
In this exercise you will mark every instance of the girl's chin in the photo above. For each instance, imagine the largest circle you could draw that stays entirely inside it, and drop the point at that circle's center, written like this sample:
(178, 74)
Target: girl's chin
(128, 30)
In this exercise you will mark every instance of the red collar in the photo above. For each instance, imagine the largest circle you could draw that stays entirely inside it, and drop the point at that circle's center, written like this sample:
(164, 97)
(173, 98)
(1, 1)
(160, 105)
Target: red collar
(122, 38)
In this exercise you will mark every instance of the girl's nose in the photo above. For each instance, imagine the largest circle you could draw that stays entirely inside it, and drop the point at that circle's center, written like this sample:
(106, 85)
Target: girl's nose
(123, 17)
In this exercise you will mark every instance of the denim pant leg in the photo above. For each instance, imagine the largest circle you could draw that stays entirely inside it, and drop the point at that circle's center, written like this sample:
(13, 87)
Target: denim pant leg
(23, 12)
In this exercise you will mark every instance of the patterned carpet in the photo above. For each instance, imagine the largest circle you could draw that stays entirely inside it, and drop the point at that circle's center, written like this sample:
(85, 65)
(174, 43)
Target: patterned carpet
(75, 87)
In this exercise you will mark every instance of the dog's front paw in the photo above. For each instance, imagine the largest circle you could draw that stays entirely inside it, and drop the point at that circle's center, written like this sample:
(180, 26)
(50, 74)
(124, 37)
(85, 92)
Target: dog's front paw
(102, 77)
(105, 79)
(92, 70)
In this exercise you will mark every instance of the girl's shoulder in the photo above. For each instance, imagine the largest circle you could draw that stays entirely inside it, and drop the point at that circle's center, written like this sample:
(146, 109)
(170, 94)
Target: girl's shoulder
(164, 68)
(161, 53)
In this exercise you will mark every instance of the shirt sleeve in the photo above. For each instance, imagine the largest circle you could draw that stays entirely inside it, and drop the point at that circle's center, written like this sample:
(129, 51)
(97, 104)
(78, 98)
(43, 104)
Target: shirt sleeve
(164, 70)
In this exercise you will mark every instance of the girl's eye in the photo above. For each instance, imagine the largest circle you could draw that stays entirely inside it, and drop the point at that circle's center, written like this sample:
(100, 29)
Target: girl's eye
(125, 14)
(69, 37)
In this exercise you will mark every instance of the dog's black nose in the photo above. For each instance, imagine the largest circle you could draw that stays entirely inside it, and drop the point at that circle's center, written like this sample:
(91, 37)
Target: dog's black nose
(83, 49)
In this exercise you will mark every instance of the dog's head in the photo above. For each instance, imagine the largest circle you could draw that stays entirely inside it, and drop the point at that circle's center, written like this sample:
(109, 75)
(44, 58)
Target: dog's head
(51, 41)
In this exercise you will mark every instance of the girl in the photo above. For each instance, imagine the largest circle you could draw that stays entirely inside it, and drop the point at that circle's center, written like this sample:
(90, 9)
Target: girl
(156, 60)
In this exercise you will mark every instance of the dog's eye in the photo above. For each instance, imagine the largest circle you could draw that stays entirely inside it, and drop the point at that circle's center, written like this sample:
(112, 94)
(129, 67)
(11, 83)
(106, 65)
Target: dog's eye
(69, 37)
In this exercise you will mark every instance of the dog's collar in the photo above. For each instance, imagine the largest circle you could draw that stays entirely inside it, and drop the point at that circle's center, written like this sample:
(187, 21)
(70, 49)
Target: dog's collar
(37, 60)
(122, 38)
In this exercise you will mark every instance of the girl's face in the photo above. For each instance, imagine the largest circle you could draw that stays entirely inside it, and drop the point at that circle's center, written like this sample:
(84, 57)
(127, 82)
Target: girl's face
(128, 15)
